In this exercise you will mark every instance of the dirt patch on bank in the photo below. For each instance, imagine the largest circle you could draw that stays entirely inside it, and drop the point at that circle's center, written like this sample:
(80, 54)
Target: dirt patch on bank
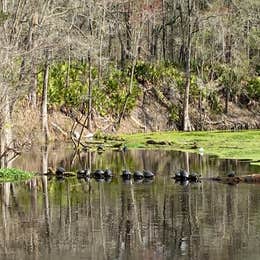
(148, 116)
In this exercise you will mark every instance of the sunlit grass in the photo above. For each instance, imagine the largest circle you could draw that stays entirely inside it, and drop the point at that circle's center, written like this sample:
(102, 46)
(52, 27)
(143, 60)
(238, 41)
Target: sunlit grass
(225, 144)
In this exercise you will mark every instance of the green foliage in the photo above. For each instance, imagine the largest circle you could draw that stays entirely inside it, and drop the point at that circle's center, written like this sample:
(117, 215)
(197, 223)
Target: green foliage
(174, 113)
(253, 88)
(215, 102)
(116, 88)
(70, 86)
(63, 88)
(3, 17)
(13, 174)
(159, 74)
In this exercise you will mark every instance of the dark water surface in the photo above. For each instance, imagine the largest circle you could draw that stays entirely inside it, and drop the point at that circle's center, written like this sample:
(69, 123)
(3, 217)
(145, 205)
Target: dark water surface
(75, 219)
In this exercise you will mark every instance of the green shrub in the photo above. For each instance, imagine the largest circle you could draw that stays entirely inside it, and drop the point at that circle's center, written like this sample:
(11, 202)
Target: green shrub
(253, 88)
(13, 174)
(108, 96)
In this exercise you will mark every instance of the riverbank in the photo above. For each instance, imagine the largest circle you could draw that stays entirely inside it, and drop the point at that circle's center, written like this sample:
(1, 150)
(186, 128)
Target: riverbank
(244, 145)
(225, 144)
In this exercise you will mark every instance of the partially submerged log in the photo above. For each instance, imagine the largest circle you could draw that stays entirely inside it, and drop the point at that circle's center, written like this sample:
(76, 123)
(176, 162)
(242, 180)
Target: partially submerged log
(254, 178)
(231, 178)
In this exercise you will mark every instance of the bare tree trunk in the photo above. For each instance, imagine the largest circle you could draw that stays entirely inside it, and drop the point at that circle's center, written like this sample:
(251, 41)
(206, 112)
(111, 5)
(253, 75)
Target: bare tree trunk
(45, 129)
(47, 214)
(89, 123)
(227, 95)
(6, 132)
(186, 119)
(4, 6)
(30, 46)
(130, 89)
(128, 14)
(163, 31)
(33, 87)
(101, 36)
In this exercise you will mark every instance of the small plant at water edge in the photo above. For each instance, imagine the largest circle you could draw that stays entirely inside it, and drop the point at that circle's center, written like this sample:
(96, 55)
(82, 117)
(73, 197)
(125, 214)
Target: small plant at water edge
(12, 174)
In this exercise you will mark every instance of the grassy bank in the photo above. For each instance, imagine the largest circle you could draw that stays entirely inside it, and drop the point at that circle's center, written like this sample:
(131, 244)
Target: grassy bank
(12, 175)
(235, 145)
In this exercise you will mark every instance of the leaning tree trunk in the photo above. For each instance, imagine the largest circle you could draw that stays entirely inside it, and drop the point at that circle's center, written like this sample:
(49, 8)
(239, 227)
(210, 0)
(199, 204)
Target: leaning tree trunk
(44, 115)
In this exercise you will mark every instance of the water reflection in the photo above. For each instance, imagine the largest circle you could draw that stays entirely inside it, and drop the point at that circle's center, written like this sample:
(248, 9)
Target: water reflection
(61, 219)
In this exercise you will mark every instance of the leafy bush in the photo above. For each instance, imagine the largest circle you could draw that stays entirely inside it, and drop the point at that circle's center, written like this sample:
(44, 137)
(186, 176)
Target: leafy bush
(108, 96)
(13, 174)
(253, 88)
(116, 86)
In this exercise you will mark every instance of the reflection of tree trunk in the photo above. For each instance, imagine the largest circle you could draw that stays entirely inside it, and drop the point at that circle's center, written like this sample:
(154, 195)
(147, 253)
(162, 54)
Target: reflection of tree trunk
(164, 211)
(90, 214)
(34, 235)
(46, 210)
(124, 160)
(136, 221)
(129, 225)
(121, 224)
(45, 152)
(89, 160)
(186, 162)
(5, 214)
(186, 228)
(68, 217)
(101, 220)
(34, 197)
(143, 159)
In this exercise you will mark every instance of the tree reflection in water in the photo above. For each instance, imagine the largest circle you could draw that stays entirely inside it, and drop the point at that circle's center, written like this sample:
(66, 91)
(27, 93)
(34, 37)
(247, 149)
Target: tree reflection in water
(60, 219)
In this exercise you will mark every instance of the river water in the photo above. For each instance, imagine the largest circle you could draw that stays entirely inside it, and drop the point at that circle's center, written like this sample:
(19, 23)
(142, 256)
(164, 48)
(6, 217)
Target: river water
(160, 219)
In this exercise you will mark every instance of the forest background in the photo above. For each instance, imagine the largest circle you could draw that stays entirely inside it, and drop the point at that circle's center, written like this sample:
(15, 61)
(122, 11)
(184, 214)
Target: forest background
(126, 66)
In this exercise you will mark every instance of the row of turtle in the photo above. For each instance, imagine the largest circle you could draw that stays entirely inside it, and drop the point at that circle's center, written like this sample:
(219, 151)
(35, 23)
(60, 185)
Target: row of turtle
(107, 173)
(181, 175)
